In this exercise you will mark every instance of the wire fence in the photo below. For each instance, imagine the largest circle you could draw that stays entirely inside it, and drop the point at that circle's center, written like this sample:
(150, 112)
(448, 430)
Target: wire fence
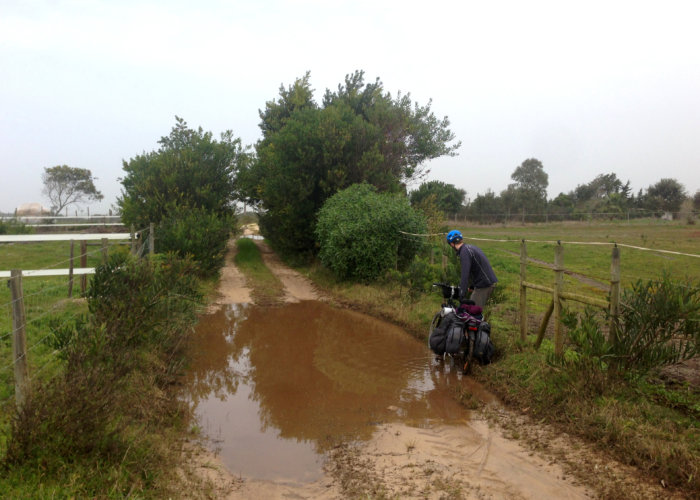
(587, 279)
(523, 217)
(40, 306)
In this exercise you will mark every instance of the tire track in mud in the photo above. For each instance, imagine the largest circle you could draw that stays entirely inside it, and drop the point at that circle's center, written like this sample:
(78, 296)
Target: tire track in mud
(296, 286)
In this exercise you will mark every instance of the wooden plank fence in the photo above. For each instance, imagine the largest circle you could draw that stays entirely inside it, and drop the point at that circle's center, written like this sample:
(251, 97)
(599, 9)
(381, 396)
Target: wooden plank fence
(559, 294)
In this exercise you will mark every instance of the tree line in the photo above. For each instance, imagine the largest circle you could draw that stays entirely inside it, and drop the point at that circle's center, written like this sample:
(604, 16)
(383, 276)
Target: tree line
(310, 151)
(358, 134)
(526, 198)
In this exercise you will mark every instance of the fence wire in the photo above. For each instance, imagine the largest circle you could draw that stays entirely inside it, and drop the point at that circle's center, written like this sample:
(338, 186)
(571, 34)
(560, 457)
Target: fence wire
(45, 308)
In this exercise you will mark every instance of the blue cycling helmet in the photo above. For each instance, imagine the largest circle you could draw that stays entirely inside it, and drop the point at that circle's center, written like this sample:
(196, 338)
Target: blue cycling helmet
(454, 236)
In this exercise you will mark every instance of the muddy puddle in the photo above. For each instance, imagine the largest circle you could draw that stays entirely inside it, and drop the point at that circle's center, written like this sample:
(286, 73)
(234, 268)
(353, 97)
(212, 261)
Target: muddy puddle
(275, 388)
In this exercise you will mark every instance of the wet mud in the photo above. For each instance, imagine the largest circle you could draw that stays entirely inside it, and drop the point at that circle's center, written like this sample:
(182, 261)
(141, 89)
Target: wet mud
(276, 387)
(277, 390)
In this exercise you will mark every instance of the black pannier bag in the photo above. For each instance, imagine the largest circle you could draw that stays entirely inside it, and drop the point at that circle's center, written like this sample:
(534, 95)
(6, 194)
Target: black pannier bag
(442, 338)
(447, 336)
(483, 347)
(455, 337)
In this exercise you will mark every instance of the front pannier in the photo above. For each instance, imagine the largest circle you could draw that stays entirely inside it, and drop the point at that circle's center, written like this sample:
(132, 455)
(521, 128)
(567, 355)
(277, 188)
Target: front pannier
(447, 336)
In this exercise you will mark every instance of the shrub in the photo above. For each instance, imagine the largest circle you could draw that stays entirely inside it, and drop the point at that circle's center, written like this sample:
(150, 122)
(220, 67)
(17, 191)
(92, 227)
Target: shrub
(15, 227)
(197, 233)
(109, 402)
(360, 232)
(658, 326)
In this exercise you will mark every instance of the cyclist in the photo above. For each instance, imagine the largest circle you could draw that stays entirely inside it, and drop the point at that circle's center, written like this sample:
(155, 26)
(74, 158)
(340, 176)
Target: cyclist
(477, 274)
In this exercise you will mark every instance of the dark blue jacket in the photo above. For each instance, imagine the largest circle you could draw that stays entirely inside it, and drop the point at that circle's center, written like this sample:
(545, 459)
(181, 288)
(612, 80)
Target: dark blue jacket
(476, 269)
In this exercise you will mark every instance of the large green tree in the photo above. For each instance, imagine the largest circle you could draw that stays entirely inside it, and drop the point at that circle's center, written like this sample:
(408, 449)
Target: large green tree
(188, 189)
(191, 169)
(308, 152)
(447, 197)
(64, 186)
(606, 193)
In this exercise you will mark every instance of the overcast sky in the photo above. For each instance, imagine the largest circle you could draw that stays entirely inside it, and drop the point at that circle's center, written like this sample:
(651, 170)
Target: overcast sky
(585, 87)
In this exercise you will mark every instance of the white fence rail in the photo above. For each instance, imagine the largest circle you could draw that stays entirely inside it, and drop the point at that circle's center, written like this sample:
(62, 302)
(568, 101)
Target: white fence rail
(25, 238)
(50, 272)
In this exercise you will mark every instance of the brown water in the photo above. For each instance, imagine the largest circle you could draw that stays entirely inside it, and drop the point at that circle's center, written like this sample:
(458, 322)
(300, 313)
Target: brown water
(276, 387)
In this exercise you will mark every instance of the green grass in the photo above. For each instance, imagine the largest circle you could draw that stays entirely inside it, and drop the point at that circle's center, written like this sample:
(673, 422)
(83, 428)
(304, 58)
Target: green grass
(593, 260)
(267, 288)
(45, 301)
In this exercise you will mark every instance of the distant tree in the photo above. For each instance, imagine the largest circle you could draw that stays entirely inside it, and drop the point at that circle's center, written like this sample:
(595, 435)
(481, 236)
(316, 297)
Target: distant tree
(510, 200)
(561, 207)
(530, 186)
(531, 177)
(667, 194)
(447, 197)
(486, 208)
(606, 193)
(696, 200)
(64, 186)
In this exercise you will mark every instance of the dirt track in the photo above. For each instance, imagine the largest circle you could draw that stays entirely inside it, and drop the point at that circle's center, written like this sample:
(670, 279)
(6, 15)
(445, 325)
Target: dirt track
(476, 460)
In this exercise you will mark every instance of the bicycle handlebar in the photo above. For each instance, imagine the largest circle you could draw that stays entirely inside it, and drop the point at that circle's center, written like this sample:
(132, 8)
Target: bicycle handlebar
(448, 291)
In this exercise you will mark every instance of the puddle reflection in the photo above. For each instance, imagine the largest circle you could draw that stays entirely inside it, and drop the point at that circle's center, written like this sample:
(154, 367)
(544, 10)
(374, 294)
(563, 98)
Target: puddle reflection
(275, 387)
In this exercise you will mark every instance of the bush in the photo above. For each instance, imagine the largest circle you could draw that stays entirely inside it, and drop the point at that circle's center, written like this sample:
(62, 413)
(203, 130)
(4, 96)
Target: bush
(14, 227)
(196, 233)
(360, 232)
(108, 402)
(658, 326)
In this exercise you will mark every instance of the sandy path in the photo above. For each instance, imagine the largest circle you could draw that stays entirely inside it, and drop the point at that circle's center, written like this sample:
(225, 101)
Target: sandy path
(232, 287)
(296, 286)
(471, 461)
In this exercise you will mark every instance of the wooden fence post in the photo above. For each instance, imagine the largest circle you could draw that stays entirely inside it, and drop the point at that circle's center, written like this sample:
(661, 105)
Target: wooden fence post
(83, 263)
(70, 269)
(558, 286)
(105, 250)
(151, 240)
(543, 325)
(614, 294)
(523, 291)
(19, 339)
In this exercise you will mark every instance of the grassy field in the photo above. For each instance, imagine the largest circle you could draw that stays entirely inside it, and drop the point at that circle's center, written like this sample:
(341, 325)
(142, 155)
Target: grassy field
(46, 301)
